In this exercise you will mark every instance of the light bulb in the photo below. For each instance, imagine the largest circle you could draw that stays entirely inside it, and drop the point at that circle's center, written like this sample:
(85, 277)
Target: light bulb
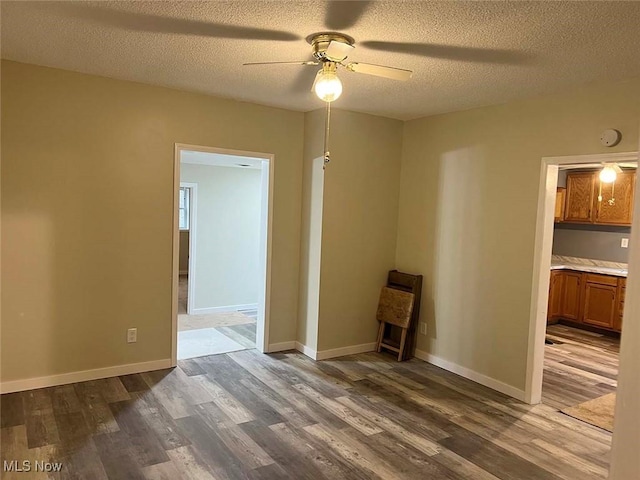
(328, 86)
(608, 174)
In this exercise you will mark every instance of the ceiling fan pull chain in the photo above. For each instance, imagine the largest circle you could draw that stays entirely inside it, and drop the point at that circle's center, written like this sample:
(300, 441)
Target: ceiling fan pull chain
(612, 200)
(327, 120)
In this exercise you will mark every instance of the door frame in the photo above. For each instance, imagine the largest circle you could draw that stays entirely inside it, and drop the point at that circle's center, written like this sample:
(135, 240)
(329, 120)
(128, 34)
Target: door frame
(542, 259)
(266, 224)
(193, 208)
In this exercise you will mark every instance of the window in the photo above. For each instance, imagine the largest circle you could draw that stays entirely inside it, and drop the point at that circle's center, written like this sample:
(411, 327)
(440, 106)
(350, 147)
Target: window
(183, 208)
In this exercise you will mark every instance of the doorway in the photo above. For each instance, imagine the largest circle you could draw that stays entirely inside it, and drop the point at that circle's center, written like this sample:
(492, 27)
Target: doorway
(221, 254)
(573, 345)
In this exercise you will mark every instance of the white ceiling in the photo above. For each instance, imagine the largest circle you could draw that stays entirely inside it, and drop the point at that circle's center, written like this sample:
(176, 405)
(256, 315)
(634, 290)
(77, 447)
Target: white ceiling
(511, 49)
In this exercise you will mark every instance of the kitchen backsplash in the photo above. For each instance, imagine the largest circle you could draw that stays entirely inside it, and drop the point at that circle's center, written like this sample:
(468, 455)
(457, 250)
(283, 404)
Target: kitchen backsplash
(587, 241)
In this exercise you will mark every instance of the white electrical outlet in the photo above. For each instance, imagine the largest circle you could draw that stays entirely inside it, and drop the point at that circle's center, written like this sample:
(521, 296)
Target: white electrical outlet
(423, 328)
(132, 335)
(624, 243)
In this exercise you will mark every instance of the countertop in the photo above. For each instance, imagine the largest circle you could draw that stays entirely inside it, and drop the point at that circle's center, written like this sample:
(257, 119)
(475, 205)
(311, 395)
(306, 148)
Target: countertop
(588, 265)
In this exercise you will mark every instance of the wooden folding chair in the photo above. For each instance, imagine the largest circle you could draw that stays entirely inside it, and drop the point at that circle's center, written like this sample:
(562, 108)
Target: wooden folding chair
(395, 308)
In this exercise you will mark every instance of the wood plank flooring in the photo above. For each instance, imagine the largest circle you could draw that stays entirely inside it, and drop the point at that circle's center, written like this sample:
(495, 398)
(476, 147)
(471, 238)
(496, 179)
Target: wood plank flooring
(579, 367)
(245, 415)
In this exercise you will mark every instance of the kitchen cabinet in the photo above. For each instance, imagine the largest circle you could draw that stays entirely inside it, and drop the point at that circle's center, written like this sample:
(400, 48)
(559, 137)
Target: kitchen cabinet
(581, 187)
(571, 295)
(622, 291)
(616, 207)
(586, 298)
(555, 295)
(599, 305)
(560, 201)
(582, 204)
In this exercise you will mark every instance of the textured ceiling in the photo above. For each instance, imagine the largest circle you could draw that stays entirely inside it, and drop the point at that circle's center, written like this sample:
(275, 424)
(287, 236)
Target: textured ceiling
(463, 54)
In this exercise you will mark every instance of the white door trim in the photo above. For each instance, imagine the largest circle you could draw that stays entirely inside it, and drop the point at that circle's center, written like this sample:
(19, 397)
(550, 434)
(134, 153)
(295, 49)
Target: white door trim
(266, 222)
(542, 261)
(193, 208)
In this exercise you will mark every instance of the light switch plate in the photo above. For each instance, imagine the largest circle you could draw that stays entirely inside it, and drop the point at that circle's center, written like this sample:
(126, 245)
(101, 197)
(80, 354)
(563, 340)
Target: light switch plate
(624, 243)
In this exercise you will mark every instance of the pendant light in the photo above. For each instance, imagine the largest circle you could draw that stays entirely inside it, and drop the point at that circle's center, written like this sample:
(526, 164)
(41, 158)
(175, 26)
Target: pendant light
(609, 174)
(328, 86)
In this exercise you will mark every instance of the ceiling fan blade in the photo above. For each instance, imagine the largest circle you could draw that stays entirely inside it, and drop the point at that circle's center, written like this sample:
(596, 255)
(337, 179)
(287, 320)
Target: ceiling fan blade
(380, 71)
(338, 51)
(344, 14)
(451, 52)
(302, 62)
(144, 22)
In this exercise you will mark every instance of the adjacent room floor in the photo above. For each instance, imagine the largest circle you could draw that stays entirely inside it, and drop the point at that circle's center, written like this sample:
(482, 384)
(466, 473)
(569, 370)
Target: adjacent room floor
(579, 367)
(215, 333)
(245, 415)
(580, 374)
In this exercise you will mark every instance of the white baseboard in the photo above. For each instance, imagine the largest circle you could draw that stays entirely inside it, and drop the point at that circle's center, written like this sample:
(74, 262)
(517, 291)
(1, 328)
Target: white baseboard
(343, 351)
(471, 375)
(281, 347)
(334, 352)
(224, 309)
(308, 351)
(82, 376)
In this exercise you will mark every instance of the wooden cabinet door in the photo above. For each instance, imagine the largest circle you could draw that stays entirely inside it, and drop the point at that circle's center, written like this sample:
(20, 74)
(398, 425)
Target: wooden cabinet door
(599, 305)
(560, 199)
(580, 197)
(572, 296)
(616, 207)
(622, 291)
(555, 295)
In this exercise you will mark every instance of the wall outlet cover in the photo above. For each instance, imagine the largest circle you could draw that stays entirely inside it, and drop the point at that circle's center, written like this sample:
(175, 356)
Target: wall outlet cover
(132, 335)
(624, 243)
(423, 328)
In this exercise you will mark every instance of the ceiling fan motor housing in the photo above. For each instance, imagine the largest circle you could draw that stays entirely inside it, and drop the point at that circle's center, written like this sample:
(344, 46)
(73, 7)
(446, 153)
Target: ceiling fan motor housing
(320, 42)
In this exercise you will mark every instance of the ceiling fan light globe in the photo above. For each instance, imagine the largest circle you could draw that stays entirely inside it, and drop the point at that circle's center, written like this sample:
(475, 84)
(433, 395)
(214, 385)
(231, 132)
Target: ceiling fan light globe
(608, 174)
(328, 87)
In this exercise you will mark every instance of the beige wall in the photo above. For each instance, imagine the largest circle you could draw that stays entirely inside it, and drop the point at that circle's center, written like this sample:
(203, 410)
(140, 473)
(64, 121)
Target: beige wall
(77, 274)
(87, 204)
(359, 221)
(311, 230)
(467, 218)
(227, 235)
(625, 462)
(183, 261)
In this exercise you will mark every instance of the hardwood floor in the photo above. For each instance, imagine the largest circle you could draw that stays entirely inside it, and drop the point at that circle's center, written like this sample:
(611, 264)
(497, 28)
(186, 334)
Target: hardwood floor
(580, 366)
(245, 415)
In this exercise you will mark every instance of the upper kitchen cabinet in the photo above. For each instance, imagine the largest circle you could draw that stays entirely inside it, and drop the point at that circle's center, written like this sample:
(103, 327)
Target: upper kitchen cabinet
(583, 206)
(616, 207)
(581, 188)
(561, 195)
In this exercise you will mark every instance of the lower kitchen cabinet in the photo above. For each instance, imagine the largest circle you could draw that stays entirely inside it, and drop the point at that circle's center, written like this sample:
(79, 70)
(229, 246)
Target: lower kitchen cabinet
(555, 294)
(572, 295)
(587, 298)
(599, 305)
(622, 291)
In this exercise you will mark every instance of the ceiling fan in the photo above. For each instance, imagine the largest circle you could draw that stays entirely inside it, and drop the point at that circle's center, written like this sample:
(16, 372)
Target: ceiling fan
(331, 49)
